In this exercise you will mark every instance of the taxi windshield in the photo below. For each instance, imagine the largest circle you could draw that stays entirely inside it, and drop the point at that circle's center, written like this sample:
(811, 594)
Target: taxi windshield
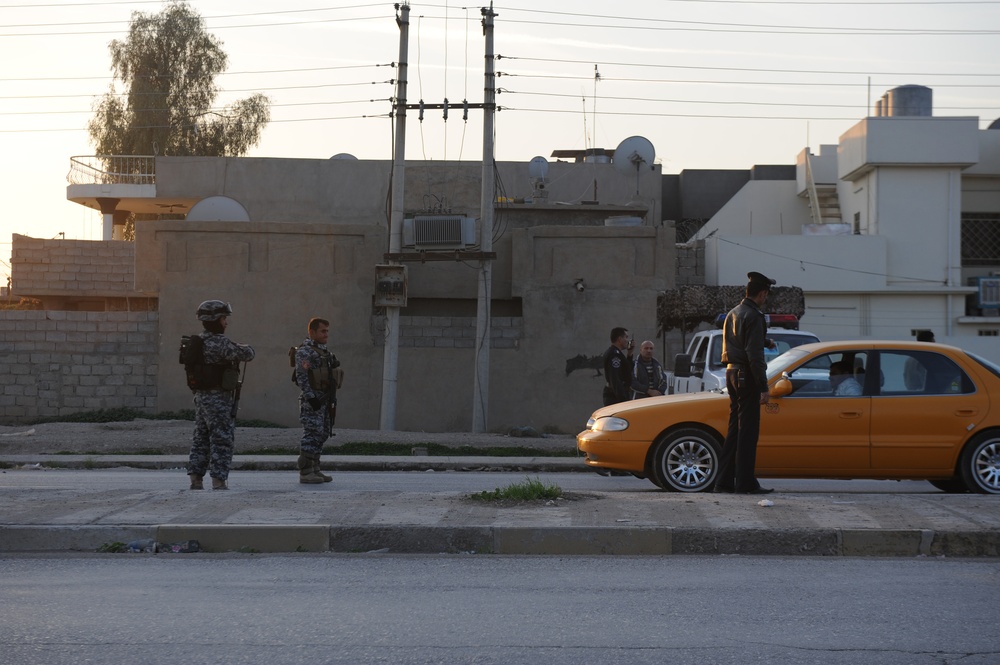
(779, 364)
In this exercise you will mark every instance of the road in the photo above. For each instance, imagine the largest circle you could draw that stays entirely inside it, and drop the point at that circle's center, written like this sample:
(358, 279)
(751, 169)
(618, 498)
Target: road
(417, 481)
(360, 609)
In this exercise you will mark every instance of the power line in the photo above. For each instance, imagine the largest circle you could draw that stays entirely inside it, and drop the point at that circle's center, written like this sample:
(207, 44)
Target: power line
(643, 23)
(661, 100)
(741, 83)
(733, 69)
(221, 74)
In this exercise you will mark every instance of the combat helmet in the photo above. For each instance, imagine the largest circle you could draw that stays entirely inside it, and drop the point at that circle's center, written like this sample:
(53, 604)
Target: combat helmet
(213, 310)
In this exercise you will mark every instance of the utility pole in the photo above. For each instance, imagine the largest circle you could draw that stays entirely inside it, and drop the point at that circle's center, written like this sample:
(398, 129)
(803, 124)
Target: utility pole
(481, 388)
(390, 364)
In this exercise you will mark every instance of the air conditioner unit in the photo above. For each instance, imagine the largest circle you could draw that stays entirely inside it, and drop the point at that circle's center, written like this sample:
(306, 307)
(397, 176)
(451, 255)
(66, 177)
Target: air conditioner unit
(988, 296)
(439, 231)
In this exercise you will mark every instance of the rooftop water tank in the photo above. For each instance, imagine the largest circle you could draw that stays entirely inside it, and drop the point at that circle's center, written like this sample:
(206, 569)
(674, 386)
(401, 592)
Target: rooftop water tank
(910, 101)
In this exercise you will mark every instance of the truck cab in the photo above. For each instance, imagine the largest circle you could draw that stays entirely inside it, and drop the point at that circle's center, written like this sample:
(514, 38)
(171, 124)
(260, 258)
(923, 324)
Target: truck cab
(700, 367)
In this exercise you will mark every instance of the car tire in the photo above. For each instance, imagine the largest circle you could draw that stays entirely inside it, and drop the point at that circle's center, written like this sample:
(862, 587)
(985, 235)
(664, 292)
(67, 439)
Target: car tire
(953, 486)
(686, 460)
(981, 463)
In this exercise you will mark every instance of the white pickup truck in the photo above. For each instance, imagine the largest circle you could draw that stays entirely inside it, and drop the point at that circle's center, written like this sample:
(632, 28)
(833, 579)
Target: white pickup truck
(700, 368)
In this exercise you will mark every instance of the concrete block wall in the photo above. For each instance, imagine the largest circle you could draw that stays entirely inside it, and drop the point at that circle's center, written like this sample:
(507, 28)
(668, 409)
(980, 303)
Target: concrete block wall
(691, 263)
(456, 332)
(72, 267)
(55, 363)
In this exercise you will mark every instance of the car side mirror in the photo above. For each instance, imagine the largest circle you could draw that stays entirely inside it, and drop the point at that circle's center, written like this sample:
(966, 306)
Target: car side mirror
(782, 386)
(682, 365)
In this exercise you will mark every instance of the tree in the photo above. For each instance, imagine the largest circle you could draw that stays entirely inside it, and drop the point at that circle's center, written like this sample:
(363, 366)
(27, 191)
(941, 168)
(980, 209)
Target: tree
(167, 67)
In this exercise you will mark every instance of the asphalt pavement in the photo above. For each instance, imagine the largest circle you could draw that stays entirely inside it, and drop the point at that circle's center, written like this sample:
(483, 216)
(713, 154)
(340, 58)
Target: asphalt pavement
(50, 503)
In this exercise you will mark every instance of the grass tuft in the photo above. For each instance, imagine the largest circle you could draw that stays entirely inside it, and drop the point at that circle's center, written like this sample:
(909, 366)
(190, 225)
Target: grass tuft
(529, 490)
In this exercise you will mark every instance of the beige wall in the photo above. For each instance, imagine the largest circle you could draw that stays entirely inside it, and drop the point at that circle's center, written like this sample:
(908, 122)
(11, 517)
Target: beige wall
(54, 363)
(278, 273)
(318, 230)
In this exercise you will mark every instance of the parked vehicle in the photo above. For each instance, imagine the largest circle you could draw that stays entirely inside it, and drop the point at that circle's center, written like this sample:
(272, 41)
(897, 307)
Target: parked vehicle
(701, 368)
(927, 411)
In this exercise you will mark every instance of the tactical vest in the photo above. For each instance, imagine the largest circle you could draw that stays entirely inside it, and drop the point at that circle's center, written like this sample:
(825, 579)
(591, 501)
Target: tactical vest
(321, 378)
(204, 376)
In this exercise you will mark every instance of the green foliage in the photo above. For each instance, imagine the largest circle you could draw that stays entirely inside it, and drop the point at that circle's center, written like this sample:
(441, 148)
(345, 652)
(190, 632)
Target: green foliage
(256, 422)
(124, 415)
(441, 450)
(529, 490)
(113, 548)
(165, 69)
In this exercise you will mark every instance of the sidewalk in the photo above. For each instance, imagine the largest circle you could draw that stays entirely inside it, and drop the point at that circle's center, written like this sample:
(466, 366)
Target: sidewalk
(67, 510)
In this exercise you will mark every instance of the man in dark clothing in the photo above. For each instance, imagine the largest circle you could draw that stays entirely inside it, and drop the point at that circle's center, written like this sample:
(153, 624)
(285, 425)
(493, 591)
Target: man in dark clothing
(318, 376)
(215, 420)
(618, 368)
(648, 377)
(743, 343)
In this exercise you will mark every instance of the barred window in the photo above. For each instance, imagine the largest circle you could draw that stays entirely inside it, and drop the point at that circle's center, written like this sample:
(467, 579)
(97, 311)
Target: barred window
(980, 238)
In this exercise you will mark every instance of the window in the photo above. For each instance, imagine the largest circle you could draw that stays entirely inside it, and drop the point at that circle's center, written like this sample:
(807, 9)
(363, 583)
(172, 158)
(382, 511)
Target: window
(980, 238)
(840, 374)
(921, 373)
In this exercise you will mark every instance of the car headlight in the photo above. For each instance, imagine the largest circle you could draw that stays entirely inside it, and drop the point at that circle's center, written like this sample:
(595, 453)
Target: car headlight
(610, 424)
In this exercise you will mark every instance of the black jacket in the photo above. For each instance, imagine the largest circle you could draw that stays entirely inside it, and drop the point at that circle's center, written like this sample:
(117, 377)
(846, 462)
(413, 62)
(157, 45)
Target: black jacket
(617, 376)
(743, 340)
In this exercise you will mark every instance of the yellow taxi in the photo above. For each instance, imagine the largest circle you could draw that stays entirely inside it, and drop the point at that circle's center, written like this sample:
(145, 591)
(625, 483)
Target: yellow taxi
(901, 410)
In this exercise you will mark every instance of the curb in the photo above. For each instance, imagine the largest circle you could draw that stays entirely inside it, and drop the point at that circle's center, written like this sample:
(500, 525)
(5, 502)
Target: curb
(415, 539)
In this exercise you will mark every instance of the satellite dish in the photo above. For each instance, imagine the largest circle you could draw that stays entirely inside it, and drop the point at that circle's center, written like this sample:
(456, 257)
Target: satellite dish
(632, 155)
(345, 155)
(538, 168)
(218, 209)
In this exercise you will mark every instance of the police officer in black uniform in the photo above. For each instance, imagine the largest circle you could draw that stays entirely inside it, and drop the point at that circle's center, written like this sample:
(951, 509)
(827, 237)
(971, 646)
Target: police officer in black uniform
(618, 368)
(743, 343)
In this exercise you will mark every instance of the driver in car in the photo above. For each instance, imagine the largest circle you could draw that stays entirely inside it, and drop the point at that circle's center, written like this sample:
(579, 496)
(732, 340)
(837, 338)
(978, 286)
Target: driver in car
(842, 380)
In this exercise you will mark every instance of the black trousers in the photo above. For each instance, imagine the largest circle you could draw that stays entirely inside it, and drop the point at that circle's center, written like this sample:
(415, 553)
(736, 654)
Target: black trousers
(739, 452)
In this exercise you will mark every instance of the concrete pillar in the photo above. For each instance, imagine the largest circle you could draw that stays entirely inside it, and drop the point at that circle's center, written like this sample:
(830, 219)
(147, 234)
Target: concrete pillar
(119, 217)
(108, 206)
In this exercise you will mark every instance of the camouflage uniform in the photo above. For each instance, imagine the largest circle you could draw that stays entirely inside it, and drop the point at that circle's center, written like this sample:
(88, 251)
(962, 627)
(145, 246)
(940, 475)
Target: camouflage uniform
(214, 429)
(315, 400)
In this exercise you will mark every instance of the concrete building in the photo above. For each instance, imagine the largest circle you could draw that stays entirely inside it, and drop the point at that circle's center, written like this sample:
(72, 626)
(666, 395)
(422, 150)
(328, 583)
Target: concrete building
(287, 239)
(893, 230)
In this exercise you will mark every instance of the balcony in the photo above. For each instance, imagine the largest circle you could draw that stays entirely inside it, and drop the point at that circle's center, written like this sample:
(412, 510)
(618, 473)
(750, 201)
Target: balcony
(127, 180)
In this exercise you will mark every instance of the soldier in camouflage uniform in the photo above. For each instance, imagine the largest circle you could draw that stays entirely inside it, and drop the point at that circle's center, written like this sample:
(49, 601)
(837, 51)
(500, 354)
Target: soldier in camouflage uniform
(318, 376)
(215, 423)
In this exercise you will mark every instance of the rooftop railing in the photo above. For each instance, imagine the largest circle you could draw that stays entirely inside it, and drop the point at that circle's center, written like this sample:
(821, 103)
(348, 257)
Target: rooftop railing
(112, 170)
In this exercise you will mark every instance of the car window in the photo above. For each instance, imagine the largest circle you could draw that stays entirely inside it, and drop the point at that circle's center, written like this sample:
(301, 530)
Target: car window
(921, 373)
(782, 362)
(698, 356)
(716, 351)
(835, 375)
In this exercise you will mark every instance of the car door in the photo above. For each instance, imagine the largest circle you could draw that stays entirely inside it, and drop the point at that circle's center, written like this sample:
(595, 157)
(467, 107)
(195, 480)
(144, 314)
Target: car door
(813, 431)
(925, 407)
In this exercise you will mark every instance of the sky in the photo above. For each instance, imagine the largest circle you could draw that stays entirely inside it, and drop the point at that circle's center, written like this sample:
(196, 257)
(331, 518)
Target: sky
(713, 84)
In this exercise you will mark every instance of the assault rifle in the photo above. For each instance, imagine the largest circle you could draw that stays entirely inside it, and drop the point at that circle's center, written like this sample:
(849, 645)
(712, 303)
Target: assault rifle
(236, 393)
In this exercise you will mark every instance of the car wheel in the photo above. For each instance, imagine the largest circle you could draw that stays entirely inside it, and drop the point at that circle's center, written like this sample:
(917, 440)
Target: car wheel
(686, 461)
(981, 464)
(952, 486)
